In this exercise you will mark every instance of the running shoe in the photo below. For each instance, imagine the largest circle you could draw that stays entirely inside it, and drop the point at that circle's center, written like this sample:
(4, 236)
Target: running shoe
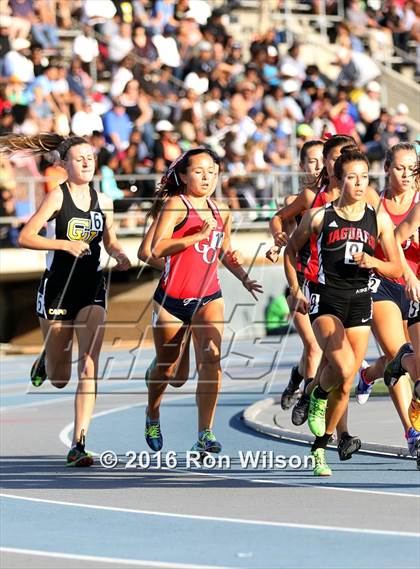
(148, 371)
(77, 455)
(153, 435)
(292, 389)
(38, 371)
(413, 441)
(316, 415)
(321, 467)
(300, 410)
(347, 446)
(363, 389)
(394, 369)
(207, 443)
(414, 414)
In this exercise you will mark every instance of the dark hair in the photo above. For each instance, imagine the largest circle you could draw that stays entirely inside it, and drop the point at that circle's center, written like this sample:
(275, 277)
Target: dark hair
(331, 143)
(308, 144)
(40, 144)
(171, 183)
(348, 154)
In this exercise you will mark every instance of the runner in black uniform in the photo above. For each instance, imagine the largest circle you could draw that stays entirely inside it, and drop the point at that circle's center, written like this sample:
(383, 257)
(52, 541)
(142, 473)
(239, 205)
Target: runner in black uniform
(72, 295)
(343, 238)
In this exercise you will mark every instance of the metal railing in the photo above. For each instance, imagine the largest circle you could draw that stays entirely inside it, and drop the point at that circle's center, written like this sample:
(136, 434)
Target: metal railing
(254, 190)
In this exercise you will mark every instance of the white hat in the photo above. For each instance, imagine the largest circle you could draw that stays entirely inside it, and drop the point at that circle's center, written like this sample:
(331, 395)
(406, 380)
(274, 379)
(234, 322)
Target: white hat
(402, 109)
(290, 86)
(20, 43)
(373, 86)
(164, 126)
(272, 51)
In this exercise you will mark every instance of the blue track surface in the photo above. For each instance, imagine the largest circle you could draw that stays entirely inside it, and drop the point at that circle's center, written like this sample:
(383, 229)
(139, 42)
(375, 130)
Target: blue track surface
(149, 515)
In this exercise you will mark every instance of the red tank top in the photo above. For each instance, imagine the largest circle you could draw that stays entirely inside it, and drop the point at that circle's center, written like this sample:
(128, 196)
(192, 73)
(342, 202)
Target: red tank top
(192, 273)
(410, 247)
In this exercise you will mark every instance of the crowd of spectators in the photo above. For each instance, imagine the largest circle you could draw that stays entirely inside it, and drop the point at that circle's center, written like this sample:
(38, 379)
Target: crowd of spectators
(145, 80)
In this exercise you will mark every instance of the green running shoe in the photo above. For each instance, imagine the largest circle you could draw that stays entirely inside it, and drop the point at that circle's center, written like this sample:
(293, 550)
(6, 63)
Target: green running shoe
(316, 415)
(78, 456)
(207, 443)
(38, 371)
(321, 467)
(153, 434)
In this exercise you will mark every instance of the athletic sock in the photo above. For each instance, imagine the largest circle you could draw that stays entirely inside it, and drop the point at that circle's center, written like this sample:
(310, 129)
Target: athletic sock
(319, 393)
(306, 383)
(321, 442)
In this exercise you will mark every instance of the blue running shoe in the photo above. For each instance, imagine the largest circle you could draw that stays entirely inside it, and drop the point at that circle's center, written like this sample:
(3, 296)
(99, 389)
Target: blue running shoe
(363, 389)
(413, 441)
(148, 370)
(207, 442)
(153, 435)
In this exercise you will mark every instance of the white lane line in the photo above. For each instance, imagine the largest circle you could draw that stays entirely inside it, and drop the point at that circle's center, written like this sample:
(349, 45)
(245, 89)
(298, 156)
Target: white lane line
(213, 518)
(138, 562)
(66, 440)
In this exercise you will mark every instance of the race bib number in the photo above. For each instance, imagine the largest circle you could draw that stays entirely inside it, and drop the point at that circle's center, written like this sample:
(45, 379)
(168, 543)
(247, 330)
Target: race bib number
(374, 283)
(352, 247)
(414, 309)
(314, 303)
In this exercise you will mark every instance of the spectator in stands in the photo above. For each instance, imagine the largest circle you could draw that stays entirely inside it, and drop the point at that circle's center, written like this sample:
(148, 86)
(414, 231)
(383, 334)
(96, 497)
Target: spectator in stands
(85, 45)
(117, 126)
(163, 14)
(44, 27)
(120, 44)
(369, 104)
(166, 148)
(144, 47)
(16, 62)
(86, 121)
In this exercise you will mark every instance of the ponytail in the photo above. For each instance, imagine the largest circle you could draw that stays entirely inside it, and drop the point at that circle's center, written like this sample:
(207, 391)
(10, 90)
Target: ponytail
(54, 144)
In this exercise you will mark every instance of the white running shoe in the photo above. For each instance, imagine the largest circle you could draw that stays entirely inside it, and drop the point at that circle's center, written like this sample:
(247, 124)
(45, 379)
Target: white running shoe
(363, 390)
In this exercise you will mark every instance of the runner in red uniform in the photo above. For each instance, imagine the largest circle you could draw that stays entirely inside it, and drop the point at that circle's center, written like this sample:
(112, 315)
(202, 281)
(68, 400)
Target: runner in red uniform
(391, 306)
(192, 232)
(408, 356)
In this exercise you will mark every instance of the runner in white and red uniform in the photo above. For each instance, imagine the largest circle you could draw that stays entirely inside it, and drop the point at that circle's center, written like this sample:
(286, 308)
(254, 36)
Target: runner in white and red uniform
(192, 232)
(391, 306)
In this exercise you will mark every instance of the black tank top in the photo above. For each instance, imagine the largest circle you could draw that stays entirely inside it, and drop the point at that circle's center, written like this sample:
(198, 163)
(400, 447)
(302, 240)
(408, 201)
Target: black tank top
(332, 262)
(74, 224)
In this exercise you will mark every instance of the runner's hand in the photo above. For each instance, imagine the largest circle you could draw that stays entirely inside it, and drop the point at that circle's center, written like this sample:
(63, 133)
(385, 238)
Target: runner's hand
(76, 248)
(364, 261)
(123, 262)
(281, 239)
(298, 302)
(412, 288)
(252, 286)
(208, 226)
